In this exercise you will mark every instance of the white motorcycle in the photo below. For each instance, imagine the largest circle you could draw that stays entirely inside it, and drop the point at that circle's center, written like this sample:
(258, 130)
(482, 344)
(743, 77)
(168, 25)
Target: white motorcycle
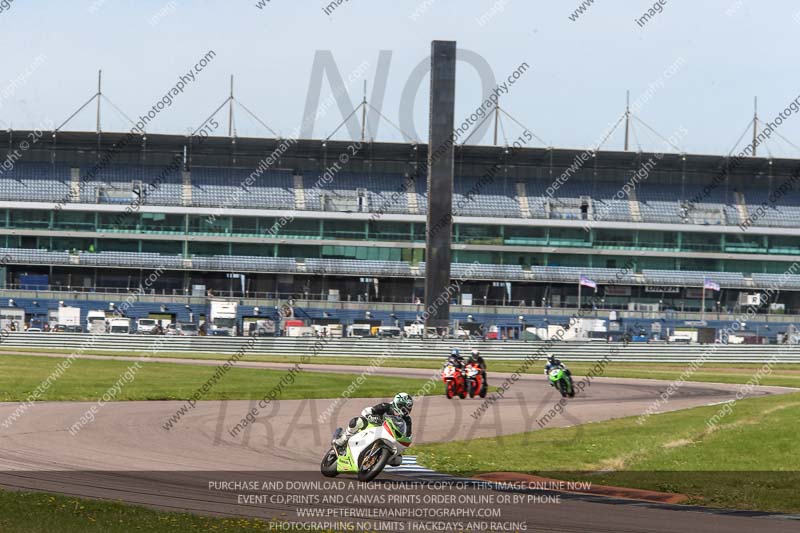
(368, 451)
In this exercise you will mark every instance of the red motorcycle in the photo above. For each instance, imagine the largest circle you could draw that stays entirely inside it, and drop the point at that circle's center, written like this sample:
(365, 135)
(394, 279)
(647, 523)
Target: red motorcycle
(475, 381)
(454, 383)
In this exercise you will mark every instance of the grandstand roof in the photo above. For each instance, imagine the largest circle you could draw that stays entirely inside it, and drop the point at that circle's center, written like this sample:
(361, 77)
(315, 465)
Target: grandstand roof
(245, 151)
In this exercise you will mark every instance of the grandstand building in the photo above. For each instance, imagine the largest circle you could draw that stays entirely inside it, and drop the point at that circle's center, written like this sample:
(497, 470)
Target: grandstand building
(343, 225)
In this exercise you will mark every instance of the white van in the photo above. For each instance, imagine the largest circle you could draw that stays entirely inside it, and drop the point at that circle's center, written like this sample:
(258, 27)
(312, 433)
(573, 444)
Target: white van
(146, 325)
(389, 331)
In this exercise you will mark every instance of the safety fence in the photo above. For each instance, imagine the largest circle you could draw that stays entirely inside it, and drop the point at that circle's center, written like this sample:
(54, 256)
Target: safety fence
(399, 347)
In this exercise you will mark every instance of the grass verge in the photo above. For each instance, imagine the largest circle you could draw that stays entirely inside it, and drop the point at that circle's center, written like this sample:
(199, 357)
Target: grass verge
(782, 375)
(26, 512)
(89, 379)
(749, 461)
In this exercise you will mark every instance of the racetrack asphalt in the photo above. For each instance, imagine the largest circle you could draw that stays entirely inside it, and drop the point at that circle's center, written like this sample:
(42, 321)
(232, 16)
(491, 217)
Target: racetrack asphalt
(127, 454)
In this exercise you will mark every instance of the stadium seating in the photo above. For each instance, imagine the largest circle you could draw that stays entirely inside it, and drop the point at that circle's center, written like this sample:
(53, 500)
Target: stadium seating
(579, 198)
(483, 196)
(228, 187)
(124, 184)
(787, 281)
(362, 267)
(783, 211)
(244, 263)
(573, 274)
(481, 271)
(33, 256)
(35, 182)
(130, 259)
(693, 278)
(383, 193)
(598, 200)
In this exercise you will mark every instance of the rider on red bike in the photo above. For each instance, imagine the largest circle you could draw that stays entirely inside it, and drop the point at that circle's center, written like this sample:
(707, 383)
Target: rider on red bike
(455, 359)
(476, 359)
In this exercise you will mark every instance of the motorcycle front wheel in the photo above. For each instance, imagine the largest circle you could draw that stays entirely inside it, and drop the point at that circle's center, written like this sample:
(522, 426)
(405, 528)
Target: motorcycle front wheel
(562, 387)
(374, 459)
(328, 465)
(449, 389)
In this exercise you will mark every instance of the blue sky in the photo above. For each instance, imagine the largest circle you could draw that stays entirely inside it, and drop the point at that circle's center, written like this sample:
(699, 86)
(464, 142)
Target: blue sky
(728, 50)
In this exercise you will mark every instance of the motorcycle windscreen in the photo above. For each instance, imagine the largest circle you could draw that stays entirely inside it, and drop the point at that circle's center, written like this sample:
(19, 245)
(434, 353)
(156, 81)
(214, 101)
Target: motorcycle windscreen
(399, 428)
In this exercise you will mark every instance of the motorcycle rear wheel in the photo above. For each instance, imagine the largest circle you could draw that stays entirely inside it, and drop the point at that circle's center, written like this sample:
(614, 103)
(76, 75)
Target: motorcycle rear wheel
(369, 473)
(328, 464)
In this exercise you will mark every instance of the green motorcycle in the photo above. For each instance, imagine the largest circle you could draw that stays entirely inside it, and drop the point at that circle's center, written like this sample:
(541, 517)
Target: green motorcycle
(368, 451)
(562, 381)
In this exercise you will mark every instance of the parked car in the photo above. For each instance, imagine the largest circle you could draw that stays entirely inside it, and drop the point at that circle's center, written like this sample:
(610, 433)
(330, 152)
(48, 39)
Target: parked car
(146, 326)
(187, 329)
(389, 331)
(59, 328)
(172, 329)
(74, 329)
(34, 330)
